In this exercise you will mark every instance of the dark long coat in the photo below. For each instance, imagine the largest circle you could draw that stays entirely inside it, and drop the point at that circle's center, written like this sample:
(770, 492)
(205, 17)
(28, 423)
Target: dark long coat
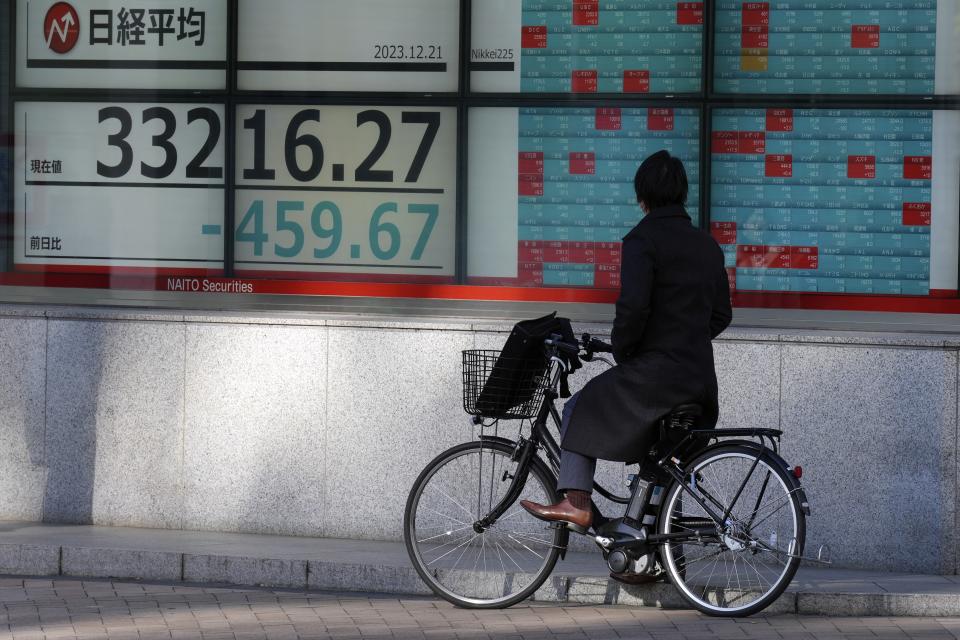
(674, 299)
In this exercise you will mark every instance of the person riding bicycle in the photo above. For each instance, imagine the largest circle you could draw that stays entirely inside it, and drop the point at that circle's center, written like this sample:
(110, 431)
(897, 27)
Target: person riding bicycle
(674, 299)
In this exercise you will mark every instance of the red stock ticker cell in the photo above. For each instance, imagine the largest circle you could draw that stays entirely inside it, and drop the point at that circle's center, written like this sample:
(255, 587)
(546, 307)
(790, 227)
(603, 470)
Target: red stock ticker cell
(607, 252)
(530, 251)
(530, 274)
(583, 163)
(530, 170)
(804, 257)
(748, 142)
(862, 167)
(660, 120)
(558, 252)
(584, 81)
(636, 81)
(586, 13)
(724, 142)
(530, 186)
(779, 120)
(918, 167)
(533, 37)
(755, 14)
(689, 13)
(724, 232)
(917, 214)
(778, 166)
(754, 37)
(530, 162)
(608, 119)
(865, 36)
(606, 276)
(752, 142)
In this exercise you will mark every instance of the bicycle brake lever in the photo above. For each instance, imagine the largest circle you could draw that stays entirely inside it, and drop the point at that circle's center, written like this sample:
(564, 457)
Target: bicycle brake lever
(587, 342)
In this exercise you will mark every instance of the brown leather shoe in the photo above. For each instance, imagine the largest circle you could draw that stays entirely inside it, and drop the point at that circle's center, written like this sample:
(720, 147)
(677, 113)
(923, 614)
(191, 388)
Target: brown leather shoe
(563, 511)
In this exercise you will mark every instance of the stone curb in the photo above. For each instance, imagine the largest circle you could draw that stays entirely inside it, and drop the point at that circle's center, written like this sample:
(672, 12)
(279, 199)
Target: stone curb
(169, 566)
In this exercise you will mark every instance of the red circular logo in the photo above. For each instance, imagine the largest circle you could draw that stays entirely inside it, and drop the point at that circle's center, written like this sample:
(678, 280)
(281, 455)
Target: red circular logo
(61, 27)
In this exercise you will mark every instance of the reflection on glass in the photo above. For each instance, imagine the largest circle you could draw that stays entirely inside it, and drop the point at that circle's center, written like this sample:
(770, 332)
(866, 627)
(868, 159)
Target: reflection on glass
(830, 201)
(573, 168)
(820, 46)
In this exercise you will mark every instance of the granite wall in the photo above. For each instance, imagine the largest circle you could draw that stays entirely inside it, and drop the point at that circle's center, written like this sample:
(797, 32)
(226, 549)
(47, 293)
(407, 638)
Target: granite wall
(317, 426)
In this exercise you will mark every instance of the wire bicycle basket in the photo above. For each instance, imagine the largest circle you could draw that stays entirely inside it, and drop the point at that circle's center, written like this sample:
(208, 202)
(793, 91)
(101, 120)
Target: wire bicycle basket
(500, 387)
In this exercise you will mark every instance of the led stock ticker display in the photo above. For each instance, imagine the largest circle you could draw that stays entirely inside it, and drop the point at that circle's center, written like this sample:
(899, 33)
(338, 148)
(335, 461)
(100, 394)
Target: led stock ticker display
(564, 193)
(587, 46)
(356, 192)
(837, 201)
(861, 201)
(827, 47)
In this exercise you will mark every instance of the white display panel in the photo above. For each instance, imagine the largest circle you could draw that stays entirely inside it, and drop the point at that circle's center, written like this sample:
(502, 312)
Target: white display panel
(348, 190)
(361, 45)
(109, 44)
(100, 186)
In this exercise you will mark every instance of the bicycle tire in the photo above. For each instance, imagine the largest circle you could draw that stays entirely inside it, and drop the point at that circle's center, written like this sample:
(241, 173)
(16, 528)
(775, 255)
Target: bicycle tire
(678, 569)
(547, 482)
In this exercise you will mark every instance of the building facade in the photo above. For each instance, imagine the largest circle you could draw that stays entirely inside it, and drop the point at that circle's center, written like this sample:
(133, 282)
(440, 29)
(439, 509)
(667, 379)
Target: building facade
(245, 242)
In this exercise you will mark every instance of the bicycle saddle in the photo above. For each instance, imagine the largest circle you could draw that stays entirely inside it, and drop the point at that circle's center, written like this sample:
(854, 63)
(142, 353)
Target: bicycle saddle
(692, 409)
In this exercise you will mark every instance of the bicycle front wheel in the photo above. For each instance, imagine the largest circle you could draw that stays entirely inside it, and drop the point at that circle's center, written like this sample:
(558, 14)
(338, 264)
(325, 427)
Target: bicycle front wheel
(479, 568)
(740, 566)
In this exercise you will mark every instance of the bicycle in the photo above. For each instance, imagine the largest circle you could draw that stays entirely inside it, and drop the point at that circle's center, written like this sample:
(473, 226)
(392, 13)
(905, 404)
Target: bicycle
(718, 510)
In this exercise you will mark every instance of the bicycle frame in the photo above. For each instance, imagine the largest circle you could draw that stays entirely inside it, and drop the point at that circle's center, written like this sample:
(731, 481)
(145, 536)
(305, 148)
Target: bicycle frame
(541, 437)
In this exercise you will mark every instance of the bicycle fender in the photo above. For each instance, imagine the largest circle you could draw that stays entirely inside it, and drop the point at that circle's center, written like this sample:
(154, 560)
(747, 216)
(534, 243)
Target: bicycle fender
(771, 455)
(506, 441)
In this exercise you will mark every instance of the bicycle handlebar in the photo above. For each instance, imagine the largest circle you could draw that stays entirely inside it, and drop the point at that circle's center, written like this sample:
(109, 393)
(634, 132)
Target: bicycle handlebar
(595, 345)
(555, 341)
(587, 344)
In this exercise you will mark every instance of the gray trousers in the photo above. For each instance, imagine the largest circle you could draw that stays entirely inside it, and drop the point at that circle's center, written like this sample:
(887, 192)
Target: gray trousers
(576, 470)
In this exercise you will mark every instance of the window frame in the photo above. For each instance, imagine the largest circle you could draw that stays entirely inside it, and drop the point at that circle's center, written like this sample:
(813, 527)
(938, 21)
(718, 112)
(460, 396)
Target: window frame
(706, 100)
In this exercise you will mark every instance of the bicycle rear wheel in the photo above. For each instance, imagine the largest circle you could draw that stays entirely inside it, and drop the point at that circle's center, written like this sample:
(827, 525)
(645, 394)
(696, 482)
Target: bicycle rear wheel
(741, 566)
(493, 568)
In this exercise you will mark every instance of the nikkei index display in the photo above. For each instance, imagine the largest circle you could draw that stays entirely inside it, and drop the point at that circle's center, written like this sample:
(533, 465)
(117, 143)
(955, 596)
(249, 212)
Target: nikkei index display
(894, 47)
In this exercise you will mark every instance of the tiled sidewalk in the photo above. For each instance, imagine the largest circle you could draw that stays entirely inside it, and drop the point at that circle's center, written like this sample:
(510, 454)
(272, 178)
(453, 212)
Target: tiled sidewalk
(42, 609)
(383, 567)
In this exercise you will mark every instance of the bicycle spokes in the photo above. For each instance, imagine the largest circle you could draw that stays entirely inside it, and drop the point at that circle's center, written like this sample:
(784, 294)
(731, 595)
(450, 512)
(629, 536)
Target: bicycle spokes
(730, 563)
(463, 555)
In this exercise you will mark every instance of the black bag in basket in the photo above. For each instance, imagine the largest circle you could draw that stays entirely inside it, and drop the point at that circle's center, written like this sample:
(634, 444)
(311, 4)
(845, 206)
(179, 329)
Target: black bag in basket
(511, 382)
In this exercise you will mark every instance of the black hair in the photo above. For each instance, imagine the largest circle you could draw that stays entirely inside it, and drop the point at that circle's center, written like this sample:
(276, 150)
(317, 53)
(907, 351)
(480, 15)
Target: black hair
(661, 180)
